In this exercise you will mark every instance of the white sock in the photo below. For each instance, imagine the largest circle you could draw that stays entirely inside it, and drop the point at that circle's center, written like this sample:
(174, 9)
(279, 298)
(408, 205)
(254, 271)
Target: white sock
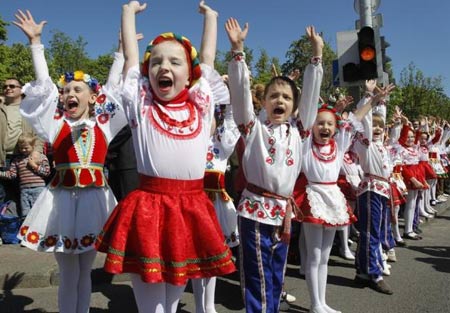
(75, 286)
(156, 297)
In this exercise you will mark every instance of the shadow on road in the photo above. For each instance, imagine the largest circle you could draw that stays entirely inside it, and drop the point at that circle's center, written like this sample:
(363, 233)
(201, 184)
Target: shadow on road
(10, 303)
(440, 257)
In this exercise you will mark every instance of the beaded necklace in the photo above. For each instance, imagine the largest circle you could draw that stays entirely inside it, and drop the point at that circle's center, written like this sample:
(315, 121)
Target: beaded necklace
(324, 157)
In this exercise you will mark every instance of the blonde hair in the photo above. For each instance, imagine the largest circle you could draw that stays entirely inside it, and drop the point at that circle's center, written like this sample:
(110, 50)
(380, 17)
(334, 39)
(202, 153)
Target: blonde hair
(27, 138)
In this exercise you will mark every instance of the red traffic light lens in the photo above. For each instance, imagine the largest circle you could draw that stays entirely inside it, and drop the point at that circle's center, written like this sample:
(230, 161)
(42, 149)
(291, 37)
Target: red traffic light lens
(367, 54)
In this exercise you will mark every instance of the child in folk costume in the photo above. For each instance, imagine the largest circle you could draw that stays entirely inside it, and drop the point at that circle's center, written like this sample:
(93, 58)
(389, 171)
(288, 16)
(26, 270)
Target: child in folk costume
(348, 181)
(414, 177)
(70, 212)
(439, 159)
(165, 232)
(425, 141)
(323, 206)
(271, 164)
(373, 194)
(221, 146)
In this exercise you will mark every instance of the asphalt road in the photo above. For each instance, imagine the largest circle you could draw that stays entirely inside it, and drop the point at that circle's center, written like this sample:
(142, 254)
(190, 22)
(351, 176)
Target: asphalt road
(420, 280)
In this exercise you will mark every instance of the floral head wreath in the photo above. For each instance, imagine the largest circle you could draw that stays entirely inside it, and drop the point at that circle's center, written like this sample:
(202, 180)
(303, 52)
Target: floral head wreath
(191, 54)
(79, 76)
(324, 107)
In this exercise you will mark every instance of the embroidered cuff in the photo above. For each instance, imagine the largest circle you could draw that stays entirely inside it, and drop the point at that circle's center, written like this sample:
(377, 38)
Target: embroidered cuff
(238, 55)
(316, 60)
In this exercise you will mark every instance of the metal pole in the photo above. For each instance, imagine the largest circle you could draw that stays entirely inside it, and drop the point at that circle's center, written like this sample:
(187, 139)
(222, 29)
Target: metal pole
(365, 12)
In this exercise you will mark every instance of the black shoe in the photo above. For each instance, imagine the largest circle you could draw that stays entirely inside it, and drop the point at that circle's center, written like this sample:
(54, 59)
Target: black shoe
(381, 287)
(284, 306)
(401, 243)
(412, 236)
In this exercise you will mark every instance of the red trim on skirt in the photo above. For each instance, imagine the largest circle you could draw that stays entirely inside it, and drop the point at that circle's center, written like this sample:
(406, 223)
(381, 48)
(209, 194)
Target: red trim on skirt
(301, 199)
(346, 188)
(166, 231)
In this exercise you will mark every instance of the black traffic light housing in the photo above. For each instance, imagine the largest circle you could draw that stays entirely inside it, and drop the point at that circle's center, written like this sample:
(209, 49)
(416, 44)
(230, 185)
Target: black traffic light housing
(367, 56)
(367, 53)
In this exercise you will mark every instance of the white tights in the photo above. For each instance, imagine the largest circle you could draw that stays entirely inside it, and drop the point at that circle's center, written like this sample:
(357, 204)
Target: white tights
(319, 240)
(204, 289)
(75, 287)
(395, 224)
(410, 206)
(155, 297)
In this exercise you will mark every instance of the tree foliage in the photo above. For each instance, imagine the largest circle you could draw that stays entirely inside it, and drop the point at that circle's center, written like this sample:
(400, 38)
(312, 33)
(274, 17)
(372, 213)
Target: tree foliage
(3, 31)
(298, 57)
(417, 94)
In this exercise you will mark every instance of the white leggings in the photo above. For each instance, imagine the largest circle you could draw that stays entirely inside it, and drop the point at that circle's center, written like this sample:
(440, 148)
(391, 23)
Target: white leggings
(410, 207)
(319, 240)
(155, 297)
(75, 287)
(204, 289)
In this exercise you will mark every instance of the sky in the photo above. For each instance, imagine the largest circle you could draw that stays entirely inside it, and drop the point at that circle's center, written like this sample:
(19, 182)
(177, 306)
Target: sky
(418, 31)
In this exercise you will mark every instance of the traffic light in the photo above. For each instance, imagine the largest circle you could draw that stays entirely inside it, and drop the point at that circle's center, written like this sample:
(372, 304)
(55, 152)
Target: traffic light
(384, 58)
(367, 53)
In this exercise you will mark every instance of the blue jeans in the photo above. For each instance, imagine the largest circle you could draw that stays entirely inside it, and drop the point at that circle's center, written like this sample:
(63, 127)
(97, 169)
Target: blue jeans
(27, 198)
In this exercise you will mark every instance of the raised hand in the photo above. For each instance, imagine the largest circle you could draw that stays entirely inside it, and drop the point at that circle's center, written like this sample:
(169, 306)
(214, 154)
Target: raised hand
(205, 9)
(343, 102)
(135, 6)
(316, 41)
(27, 24)
(236, 35)
(294, 75)
(370, 85)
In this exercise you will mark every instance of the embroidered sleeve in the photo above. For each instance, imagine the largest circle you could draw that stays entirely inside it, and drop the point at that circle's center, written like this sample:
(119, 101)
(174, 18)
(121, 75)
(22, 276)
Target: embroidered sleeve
(41, 99)
(241, 97)
(312, 80)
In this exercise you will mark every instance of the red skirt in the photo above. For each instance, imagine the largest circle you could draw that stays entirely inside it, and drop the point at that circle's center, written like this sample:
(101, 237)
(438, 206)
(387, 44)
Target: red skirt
(166, 231)
(428, 169)
(346, 188)
(396, 196)
(301, 200)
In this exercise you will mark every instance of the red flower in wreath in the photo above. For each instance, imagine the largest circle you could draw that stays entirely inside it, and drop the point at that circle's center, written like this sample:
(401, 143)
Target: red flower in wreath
(50, 241)
(87, 240)
(23, 230)
(209, 156)
(269, 160)
(33, 237)
(290, 162)
(260, 214)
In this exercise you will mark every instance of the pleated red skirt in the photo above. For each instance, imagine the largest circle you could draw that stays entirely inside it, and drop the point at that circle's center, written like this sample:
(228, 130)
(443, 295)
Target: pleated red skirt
(166, 231)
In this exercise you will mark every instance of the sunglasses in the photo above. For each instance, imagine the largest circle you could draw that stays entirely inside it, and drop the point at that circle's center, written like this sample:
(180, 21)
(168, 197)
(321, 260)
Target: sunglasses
(11, 86)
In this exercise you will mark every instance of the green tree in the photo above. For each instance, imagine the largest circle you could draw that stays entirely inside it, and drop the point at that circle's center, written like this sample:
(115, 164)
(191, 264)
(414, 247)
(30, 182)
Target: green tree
(99, 68)
(263, 68)
(3, 31)
(222, 59)
(66, 54)
(417, 94)
(299, 55)
(16, 62)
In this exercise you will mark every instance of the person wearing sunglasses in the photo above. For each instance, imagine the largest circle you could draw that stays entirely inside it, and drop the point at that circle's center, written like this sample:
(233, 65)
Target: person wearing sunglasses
(11, 127)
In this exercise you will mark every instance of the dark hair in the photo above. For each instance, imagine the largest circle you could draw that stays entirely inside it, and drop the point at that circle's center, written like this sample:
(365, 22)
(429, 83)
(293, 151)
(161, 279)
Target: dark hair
(283, 79)
(14, 78)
